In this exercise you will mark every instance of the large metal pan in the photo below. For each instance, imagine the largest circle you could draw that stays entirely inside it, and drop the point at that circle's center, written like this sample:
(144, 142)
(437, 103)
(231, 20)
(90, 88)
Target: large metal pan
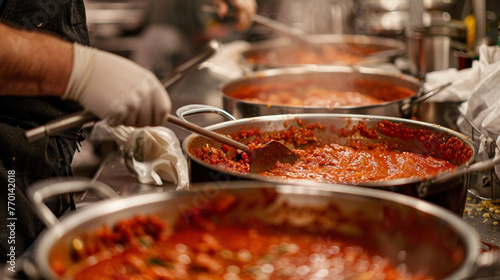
(448, 192)
(340, 78)
(338, 50)
(388, 223)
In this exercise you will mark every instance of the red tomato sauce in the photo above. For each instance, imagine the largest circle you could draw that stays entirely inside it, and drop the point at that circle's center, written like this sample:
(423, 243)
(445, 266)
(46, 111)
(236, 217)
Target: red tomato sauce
(207, 246)
(321, 93)
(356, 162)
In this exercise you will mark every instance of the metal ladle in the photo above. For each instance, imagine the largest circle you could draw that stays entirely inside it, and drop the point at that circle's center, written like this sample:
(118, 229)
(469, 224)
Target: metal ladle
(295, 34)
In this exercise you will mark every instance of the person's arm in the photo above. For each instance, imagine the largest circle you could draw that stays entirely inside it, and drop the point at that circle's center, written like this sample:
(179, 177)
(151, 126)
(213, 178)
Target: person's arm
(33, 63)
(112, 87)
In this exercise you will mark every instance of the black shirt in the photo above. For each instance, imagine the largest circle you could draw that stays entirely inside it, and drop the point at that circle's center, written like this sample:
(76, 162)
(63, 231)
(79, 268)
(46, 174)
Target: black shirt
(63, 18)
(48, 157)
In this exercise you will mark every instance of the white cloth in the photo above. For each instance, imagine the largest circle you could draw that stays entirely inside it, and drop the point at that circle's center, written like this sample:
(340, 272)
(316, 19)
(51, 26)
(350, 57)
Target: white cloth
(460, 89)
(153, 155)
(483, 104)
(481, 85)
(225, 65)
(468, 81)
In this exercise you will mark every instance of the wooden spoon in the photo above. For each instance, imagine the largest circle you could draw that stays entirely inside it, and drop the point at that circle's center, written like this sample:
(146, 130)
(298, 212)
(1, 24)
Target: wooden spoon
(261, 159)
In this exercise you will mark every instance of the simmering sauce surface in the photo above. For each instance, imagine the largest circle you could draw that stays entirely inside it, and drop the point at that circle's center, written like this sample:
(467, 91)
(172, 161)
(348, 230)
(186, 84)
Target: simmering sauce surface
(206, 246)
(336, 163)
(320, 93)
(356, 162)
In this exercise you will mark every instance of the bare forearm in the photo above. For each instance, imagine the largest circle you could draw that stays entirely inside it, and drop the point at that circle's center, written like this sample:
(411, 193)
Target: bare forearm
(33, 64)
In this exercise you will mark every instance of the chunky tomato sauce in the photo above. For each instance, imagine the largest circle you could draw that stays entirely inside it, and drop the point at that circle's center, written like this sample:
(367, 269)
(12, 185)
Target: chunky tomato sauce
(321, 93)
(356, 161)
(209, 246)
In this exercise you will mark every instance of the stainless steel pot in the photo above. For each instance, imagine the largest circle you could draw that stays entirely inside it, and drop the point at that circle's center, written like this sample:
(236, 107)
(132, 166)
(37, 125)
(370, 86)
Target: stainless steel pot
(447, 189)
(389, 223)
(444, 113)
(377, 50)
(431, 48)
(332, 75)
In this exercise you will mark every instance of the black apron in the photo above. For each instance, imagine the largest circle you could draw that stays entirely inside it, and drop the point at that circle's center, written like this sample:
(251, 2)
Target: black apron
(45, 158)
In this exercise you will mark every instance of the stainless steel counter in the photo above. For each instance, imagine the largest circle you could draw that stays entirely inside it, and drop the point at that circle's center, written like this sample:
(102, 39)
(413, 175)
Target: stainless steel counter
(484, 220)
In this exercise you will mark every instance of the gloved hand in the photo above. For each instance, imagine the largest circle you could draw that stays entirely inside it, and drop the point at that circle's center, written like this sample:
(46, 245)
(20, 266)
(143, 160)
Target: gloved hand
(116, 89)
(245, 9)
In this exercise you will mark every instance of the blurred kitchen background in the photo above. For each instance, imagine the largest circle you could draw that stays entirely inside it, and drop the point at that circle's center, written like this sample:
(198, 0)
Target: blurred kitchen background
(162, 33)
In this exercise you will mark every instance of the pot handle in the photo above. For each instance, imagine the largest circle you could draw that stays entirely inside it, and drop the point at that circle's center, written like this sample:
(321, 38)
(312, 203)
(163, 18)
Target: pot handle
(475, 167)
(488, 264)
(406, 108)
(195, 109)
(428, 187)
(48, 188)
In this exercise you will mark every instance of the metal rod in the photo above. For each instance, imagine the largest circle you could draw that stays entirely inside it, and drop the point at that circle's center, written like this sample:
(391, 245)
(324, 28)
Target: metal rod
(52, 128)
(188, 66)
(417, 11)
(286, 30)
(431, 93)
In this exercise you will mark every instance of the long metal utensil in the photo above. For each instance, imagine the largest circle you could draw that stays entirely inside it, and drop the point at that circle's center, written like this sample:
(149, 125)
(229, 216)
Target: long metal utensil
(295, 34)
(78, 119)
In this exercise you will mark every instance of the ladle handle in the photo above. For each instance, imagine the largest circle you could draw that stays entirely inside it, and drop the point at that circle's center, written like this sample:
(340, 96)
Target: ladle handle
(406, 108)
(286, 30)
(53, 127)
(180, 71)
(283, 29)
(208, 133)
(297, 35)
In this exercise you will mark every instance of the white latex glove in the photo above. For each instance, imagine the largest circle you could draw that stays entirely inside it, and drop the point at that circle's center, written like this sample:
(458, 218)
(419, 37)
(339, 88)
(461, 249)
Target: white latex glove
(116, 89)
(245, 9)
